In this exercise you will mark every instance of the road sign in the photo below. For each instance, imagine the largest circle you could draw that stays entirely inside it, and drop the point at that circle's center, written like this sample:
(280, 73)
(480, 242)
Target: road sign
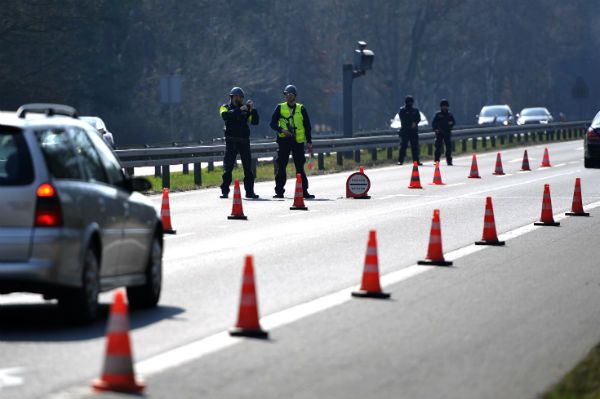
(357, 186)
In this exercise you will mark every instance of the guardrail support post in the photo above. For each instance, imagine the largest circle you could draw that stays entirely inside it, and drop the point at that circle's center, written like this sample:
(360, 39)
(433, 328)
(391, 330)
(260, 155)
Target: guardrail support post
(464, 145)
(166, 176)
(320, 161)
(511, 138)
(374, 154)
(357, 156)
(390, 153)
(157, 171)
(198, 174)
(502, 140)
(340, 159)
(453, 146)
(430, 149)
(186, 169)
(493, 142)
(484, 142)
(474, 143)
(211, 166)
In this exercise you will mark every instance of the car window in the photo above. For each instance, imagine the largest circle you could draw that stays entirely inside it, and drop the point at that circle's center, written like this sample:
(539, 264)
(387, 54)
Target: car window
(16, 168)
(596, 121)
(495, 111)
(90, 159)
(59, 154)
(109, 160)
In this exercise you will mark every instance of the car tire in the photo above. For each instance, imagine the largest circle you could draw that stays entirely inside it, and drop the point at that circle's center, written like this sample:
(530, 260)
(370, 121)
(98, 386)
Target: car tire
(80, 305)
(587, 163)
(147, 295)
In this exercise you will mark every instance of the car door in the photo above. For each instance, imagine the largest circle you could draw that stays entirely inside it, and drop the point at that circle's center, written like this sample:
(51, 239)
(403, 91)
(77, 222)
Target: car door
(102, 203)
(139, 219)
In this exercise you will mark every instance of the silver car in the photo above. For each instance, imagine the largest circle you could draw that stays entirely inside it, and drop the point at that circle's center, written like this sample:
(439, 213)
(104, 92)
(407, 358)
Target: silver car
(72, 224)
(495, 115)
(534, 115)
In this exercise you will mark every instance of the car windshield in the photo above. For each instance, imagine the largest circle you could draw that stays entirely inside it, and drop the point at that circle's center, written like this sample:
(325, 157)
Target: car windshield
(15, 162)
(596, 121)
(495, 111)
(534, 112)
(94, 121)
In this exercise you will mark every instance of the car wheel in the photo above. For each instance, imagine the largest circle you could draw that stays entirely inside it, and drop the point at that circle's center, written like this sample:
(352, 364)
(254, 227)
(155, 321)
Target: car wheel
(147, 295)
(587, 162)
(80, 305)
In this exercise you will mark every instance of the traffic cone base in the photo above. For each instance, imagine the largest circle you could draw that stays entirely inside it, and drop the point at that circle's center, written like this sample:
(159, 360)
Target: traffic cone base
(540, 223)
(239, 217)
(492, 243)
(170, 231)
(430, 262)
(248, 332)
(136, 386)
(298, 208)
(371, 294)
(577, 214)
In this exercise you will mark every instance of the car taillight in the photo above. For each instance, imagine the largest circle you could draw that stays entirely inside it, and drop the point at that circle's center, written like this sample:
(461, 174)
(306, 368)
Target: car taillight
(592, 134)
(48, 212)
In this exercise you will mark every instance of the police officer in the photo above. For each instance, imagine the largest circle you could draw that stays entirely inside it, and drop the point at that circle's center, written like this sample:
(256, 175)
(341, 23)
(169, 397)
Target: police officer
(442, 124)
(237, 116)
(290, 121)
(409, 131)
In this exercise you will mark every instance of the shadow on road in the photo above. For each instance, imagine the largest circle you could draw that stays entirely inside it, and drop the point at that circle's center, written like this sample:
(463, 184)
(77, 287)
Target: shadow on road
(44, 322)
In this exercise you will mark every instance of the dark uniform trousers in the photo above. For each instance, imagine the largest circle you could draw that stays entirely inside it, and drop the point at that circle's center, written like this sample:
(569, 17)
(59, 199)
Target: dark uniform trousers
(234, 146)
(411, 137)
(287, 146)
(443, 139)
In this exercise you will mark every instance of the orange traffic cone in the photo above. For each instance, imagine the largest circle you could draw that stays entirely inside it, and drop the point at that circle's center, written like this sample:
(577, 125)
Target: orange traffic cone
(474, 169)
(525, 164)
(247, 324)
(165, 213)
(547, 219)
(435, 253)
(490, 237)
(437, 176)
(299, 195)
(237, 212)
(361, 170)
(370, 287)
(498, 170)
(577, 207)
(118, 374)
(415, 180)
(546, 160)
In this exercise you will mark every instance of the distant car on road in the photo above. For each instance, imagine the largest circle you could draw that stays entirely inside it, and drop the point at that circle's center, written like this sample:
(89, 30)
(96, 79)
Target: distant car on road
(396, 124)
(100, 126)
(495, 115)
(534, 115)
(71, 222)
(591, 144)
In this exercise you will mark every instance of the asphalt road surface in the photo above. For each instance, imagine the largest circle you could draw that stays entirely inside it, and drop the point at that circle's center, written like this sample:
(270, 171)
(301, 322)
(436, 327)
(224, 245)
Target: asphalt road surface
(503, 322)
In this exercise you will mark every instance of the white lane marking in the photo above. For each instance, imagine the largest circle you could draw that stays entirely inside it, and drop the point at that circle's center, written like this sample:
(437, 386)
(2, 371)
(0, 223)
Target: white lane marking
(456, 184)
(515, 160)
(559, 165)
(506, 175)
(204, 346)
(573, 162)
(172, 236)
(9, 379)
(397, 195)
(579, 148)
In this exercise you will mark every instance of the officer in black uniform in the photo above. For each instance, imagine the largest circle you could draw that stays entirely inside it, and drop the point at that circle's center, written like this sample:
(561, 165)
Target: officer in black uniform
(409, 131)
(237, 116)
(442, 124)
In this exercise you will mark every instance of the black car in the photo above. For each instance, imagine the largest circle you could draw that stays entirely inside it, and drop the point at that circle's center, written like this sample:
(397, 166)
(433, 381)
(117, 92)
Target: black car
(591, 144)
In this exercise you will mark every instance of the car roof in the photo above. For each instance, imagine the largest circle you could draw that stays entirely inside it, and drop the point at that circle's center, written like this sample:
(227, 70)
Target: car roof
(496, 106)
(38, 120)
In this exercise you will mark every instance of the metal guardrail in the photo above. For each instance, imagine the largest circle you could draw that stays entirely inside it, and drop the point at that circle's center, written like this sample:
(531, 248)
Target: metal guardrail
(387, 139)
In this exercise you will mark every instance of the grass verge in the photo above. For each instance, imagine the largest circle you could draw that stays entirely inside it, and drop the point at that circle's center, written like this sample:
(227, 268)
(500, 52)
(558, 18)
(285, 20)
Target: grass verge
(265, 170)
(583, 382)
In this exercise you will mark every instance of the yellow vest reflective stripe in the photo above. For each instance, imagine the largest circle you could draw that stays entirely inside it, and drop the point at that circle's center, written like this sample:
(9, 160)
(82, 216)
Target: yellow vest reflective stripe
(292, 123)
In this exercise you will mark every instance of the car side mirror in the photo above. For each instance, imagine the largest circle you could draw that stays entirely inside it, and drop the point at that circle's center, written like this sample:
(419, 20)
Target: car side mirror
(518, 115)
(136, 183)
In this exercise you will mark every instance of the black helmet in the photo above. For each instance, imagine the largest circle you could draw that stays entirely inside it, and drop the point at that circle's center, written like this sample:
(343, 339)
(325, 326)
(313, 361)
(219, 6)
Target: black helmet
(237, 91)
(444, 102)
(290, 89)
(409, 100)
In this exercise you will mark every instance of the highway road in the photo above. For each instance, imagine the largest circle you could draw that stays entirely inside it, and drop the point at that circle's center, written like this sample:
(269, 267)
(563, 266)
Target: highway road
(503, 322)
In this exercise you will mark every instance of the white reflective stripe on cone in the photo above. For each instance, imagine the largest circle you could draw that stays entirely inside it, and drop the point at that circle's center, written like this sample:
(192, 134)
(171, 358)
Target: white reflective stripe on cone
(118, 364)
(118, 323)
(371, 269)
(248, 300)
(165, 212)
(371, 251)
(435, 240)
(248, 280)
